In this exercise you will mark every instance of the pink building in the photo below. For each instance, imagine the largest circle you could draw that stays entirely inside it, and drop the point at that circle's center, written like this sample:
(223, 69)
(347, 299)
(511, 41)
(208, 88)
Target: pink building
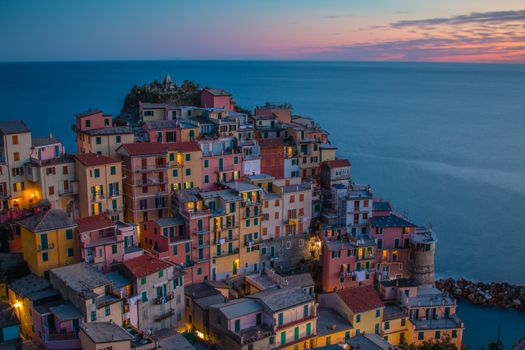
(189, 205)
(57, 324)
(162, 130)
(104, 243)
(217, 98)
(167, 239)
(392, 235)
(221, 162)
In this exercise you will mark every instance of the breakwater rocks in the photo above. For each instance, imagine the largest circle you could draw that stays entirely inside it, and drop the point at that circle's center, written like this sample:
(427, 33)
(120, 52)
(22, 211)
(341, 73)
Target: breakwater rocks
(495, 294)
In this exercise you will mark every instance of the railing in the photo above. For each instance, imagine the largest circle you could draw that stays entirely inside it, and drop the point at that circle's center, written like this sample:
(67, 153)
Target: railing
(163, 300)
(228, 253)
(200, 231)
(164, 316)
(98, 197)
(46, 247)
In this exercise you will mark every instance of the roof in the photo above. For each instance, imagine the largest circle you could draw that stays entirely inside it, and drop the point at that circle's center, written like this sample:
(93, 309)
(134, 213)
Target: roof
(28, 285)
(13, 127)
(145, 265)
(88, 113)
(7, 315)
(51, 219)
(392, 220)
(92, 159)
(44, 141)
(337, 163)
(92, 223)
(369, 341)
(400, 282)
(115, 130)
(329, 321)
(65, 312)
(161, 124)
(191, 146)
(169, 339)
(239, 307)
(280, 299)
(241, 186)
(165, 222)
(270, 143)
(217, 92)
(81, 277)
(143, 148)
(381, 206)
(208, 301)
(200, 290)
(105, 332)
(118, 279)
(361, 299)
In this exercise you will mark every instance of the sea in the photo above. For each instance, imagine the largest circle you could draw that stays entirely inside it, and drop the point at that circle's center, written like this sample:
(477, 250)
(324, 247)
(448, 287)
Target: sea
(444, 142)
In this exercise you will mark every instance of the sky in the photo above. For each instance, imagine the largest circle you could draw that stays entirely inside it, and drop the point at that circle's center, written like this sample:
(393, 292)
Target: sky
(389, 30)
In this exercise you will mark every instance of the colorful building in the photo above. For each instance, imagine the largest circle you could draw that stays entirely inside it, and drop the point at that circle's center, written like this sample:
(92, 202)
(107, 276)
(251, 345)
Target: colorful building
(272, 157)
(48, 241)
(99, 185)
(185, 165)
(217, 98)
(221, 162)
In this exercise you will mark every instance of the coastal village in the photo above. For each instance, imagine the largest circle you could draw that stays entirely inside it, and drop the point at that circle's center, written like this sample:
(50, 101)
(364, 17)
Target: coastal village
(207, 226)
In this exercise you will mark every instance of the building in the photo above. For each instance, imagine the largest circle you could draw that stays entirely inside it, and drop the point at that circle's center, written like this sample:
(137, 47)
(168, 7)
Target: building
(272, 157)
(185, 165)
(335, 172)
(15, 151)
(48, 241)
(292, 313)
(217, 98)
(158, 293)
(221, 162)
(51, 174)
(99, 185)
(57, 324)
(145, 184)
(368, 341)
(166, 239)
(332, 328)
(25, 294)
(103, 336)
(361, 306)
(89, 291)
(198, 298)
(105, 243)
(97, 134)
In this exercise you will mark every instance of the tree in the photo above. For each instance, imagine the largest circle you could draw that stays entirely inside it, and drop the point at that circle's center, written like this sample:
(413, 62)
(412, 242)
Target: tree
(441, 344)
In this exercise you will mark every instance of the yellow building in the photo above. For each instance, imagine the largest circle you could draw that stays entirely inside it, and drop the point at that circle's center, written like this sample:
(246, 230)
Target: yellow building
(48, 241)
(99, 185)
(106, 141)
(395, 325)
(184, 161)
(332, 328)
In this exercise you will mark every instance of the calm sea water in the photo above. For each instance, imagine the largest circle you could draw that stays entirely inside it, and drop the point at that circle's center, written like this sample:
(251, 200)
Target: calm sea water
(444, 142)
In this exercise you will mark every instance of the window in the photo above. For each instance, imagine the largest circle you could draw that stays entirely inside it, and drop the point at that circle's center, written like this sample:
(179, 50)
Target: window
(403, 322)
(161, 273)
(98, 140)
(144, 296)
(283, 337)
(236, 160)
(421, 335)
(15, 139)
(175, 173)
(174, 250)
(387, 325)
(237, 325)
(206, 179)
(378, 312)
(45, 257)
(188, 171)
(454, 333)
(114, 249)
(16, 156)
(305, 311)
(118, 139)
(188, 157)
(113, 170)
(93, 316)
(107, 310)
(97, 172)
(438, 335)
(296, 333)
(206, 163)
(51, 190)
(280, 319)
(70, 252)
(357, 318)
(143, 281)
(106, 122)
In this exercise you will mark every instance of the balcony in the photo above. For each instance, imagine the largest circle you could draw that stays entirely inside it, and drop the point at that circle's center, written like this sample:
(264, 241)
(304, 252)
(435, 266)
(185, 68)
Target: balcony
(46, 247)
(200, 231)
(252, 243)
(228, 253)
(163, 300)
(165, 315)
(97, 197)
(151, 182)
(114, 194)
(156, 167)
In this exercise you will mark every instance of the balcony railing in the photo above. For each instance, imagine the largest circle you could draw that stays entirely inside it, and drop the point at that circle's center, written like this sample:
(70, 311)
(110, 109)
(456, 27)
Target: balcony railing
(46, 247)
(98, 197)
(164, 299)
(165, 315)
(200, 231)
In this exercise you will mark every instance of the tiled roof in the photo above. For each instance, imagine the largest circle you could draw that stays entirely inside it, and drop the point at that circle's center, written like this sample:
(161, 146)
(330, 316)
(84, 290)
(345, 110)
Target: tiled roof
(361, 299)
(145, 265)
(13, 127)
(269, 143)
(51, 219)
(44, 141)
(92, 159)
(218, 92)
(392, 220)
(92, 223)
(337, 163)
(191, 146)
(143, 148)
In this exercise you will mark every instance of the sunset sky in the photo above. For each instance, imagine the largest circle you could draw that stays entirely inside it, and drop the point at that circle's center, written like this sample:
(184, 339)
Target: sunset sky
(405, 30)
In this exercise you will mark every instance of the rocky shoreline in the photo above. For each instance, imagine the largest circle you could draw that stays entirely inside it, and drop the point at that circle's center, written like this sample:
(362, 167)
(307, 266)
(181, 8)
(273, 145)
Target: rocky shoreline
(491, 294)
